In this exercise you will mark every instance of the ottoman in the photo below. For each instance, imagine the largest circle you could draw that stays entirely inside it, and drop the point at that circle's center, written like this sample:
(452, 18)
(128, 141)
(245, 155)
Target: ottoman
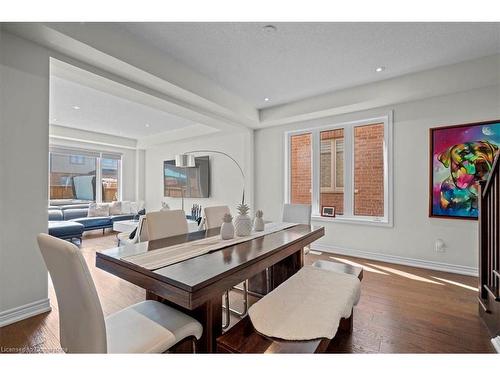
(66, 230)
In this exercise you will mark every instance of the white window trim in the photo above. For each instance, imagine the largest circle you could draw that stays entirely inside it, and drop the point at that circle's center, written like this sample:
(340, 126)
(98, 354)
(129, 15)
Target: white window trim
(348, 217)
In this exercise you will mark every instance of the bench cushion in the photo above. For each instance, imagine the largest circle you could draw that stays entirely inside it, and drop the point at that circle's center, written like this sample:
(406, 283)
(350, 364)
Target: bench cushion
(65, 229)
(309, 305)
(339, 267)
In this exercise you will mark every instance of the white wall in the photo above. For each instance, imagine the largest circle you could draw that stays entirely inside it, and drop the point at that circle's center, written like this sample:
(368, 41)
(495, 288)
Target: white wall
(226, 183)
(414, 233)
(75, 138)
(23, 184)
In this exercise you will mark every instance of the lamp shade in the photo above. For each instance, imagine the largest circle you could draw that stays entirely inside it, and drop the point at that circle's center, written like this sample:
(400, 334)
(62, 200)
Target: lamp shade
(185, 160)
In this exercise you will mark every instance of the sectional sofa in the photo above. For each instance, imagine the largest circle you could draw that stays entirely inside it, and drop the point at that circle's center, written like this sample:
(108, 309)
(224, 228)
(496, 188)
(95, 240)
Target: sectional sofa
(70, 221)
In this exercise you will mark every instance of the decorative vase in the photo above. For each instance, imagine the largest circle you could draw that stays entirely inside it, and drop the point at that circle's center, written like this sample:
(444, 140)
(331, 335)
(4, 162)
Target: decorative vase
(243, 223)
(227, 227)
(258, 222)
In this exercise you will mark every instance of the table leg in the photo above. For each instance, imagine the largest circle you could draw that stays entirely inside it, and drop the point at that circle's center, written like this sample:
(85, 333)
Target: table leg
(209, 315)
(286, 268)
(259, 283)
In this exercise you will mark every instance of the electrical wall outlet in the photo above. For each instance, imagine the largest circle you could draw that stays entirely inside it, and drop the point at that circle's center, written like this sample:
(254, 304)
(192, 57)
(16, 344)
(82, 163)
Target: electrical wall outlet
(439, 246)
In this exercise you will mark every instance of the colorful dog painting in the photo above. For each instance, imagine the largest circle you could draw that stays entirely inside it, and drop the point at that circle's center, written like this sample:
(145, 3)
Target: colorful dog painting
(462, 155)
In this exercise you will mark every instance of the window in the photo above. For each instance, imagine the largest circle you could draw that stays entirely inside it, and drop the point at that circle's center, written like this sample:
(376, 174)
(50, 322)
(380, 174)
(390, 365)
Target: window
(70, 179)
(332, 169)
(346, 166)
(77, 174)
(300, 154)
(109, 178)
(369, 170)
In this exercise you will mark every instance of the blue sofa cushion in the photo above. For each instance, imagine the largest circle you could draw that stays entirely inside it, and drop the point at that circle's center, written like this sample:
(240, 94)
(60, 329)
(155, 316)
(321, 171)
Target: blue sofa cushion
(72, 206)
(65, 229)
(55, 215)
(67, 202)
(75, 213)
(122, 217)
(94, 222)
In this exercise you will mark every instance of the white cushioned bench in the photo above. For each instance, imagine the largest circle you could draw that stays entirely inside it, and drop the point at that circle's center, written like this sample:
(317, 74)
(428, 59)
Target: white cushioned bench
(302, 315)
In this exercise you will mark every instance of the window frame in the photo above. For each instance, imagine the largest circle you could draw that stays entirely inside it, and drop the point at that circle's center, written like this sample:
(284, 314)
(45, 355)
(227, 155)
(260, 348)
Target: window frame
(98, 155)
(115, 156)
(348, 216)
(333, 188)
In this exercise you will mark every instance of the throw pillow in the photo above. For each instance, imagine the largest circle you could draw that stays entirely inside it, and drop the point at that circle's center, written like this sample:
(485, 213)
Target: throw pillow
(134, 208)
(115, 208)
(125, 207)
(98, 209)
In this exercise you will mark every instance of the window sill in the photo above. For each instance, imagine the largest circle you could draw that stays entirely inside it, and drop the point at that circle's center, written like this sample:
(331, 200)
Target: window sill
(353, 220)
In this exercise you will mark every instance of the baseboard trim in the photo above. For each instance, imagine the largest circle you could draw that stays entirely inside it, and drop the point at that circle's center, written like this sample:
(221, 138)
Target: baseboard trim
(23, 312)
(495, 341)
(420, 263)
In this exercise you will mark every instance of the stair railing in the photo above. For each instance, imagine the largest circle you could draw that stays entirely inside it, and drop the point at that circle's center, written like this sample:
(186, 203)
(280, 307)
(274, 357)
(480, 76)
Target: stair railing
(489, 241)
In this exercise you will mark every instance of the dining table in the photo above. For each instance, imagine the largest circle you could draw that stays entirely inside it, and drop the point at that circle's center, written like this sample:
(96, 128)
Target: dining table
(196, 285)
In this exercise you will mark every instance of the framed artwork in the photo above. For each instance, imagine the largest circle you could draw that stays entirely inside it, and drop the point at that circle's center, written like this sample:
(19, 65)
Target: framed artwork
(328, 211)
(460, 157)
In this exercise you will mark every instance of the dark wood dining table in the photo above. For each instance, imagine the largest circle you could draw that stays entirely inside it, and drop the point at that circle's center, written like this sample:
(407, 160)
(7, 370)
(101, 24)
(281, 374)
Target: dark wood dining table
(196, 285)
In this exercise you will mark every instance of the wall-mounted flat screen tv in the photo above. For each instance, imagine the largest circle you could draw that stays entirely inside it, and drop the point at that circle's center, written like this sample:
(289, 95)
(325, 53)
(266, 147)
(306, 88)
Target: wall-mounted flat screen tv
(191, 182)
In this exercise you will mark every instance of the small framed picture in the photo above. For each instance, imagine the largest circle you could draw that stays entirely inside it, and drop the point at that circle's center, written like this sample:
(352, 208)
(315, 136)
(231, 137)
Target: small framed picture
(328, 211)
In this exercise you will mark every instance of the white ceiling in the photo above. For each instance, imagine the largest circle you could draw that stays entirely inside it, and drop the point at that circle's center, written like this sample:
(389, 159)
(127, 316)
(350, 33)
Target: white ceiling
(103, 112)
(298, 61)
(306, 59)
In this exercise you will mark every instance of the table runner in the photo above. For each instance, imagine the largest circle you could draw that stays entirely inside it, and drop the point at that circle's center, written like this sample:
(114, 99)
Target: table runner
(166, 256)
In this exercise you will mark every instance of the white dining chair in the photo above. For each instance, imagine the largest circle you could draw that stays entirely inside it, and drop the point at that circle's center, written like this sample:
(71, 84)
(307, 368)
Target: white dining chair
(141, 234)
(162, 224)
(146, 327)
(297, 213)
(212, 217)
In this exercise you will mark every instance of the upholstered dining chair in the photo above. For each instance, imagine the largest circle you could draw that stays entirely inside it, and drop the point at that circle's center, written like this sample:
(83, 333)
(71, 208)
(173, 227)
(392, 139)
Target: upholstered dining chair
(212, 217)
(297, 213)
(141, 233)
(146, 327)
(163, 224)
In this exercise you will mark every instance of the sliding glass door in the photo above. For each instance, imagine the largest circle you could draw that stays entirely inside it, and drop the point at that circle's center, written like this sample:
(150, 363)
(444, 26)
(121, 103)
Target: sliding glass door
(84, 175)
(72, 176)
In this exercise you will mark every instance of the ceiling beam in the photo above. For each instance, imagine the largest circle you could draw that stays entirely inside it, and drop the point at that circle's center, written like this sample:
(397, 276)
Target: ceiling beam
(104, 47)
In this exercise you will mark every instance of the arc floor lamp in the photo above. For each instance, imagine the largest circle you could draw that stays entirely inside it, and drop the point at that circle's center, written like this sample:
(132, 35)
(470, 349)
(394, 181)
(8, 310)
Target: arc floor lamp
(187, 160)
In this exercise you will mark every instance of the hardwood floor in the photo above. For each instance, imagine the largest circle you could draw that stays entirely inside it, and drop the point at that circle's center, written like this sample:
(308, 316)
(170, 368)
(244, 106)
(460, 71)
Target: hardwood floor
(402, 309)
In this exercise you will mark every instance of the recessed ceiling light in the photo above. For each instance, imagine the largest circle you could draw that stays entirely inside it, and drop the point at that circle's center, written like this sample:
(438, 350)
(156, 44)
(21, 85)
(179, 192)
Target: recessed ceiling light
(76, 107)
(380, 69)
(147, 125)
(269, 29)
(266, 99)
